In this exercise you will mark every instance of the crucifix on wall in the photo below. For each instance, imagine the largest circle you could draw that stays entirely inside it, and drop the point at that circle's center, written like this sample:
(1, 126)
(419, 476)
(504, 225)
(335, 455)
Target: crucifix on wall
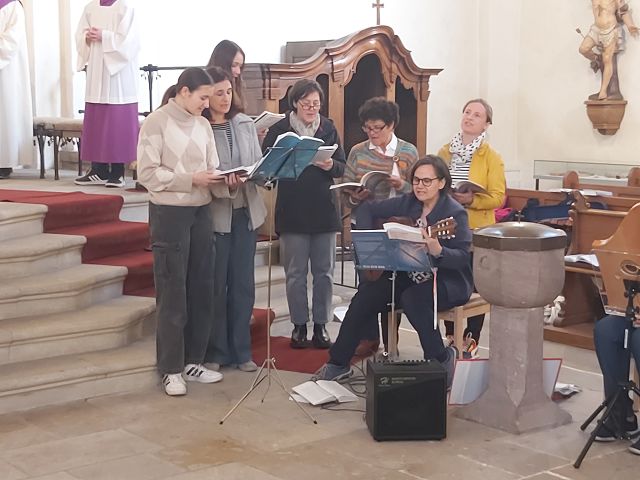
(377, 6)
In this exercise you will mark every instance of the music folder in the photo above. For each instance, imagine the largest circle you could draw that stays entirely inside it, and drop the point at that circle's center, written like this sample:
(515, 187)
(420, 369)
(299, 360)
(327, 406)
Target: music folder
(374, 250)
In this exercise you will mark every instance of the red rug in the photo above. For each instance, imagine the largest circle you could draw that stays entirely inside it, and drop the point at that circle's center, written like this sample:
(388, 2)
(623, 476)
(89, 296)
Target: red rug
(111, 241)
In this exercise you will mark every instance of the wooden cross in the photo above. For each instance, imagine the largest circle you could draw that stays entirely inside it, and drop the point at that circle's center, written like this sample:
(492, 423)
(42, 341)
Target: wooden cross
(377, 6)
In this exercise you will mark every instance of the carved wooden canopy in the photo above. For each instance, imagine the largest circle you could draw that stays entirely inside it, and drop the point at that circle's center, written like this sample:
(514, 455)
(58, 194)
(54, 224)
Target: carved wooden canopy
(367, 63)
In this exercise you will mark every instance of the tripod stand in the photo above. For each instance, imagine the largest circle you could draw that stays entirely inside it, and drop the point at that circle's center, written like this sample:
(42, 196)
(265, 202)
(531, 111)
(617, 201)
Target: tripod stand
(615, 402)
(269, 364)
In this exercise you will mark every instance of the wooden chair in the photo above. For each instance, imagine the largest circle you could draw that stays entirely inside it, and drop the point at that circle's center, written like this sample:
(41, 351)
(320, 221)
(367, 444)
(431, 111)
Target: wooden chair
(458, 315)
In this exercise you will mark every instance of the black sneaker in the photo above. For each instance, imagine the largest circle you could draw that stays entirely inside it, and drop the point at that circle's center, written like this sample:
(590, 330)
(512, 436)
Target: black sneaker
(607, 431)
(115, 183)
(91, 178)
(5, 172)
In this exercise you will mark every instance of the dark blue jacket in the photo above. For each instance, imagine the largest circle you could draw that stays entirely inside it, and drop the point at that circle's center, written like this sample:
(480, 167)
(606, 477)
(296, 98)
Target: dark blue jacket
(306, 205)
(455, 277)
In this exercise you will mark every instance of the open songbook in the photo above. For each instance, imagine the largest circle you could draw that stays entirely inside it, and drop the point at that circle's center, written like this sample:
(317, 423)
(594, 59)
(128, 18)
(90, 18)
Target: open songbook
(289, 156)
(322, 391)
(464, 186)
(369, 181)
(267, 119)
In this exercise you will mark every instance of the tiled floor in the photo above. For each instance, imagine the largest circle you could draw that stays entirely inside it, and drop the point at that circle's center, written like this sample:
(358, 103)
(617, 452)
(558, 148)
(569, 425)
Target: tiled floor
(146, 435)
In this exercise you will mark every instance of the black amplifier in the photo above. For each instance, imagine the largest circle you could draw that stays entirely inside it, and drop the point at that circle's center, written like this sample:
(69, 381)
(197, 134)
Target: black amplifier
(406, 400)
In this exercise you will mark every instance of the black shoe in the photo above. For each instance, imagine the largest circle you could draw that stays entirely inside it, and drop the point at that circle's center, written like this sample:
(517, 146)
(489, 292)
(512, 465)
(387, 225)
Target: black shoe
(299, 337)
(321, 337)
(115, 183)
(5, 172)
(91, 178)
(607, 431)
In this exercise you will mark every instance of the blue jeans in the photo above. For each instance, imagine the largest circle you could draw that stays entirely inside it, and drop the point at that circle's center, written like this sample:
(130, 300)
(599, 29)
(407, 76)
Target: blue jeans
(233, 292)
(608, 336)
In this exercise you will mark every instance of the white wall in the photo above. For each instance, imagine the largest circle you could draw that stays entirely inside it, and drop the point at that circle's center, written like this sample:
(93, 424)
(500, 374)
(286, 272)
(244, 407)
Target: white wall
(520, 55)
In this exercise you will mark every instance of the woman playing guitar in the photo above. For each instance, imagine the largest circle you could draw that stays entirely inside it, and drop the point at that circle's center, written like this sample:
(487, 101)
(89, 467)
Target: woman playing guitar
(428, 203)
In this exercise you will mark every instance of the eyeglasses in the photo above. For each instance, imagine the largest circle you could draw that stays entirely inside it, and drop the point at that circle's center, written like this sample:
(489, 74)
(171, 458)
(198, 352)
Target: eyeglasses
(309, 106)
(373, 129)
(424, 181)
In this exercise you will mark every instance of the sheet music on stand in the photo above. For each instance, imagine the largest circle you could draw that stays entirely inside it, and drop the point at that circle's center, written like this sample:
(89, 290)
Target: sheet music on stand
(374, 250)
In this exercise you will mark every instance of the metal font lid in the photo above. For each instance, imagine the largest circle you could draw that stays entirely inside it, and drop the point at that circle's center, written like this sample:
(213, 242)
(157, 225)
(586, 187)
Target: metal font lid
(519, 236)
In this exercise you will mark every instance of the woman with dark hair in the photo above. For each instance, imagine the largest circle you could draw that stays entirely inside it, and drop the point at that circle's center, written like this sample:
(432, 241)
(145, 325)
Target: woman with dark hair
(230, 57)
(470, 157)
(235, 222)
(428, 203)
(176, 161)
(306, 217)
(382, 151)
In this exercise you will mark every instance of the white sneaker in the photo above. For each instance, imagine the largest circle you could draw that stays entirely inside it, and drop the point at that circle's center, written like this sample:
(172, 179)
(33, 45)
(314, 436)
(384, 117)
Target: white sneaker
(249, 366)
(174, 384)
(199, 373)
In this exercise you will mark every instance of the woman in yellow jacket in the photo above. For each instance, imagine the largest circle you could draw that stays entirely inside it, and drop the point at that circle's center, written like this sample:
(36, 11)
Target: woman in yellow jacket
(470, 157)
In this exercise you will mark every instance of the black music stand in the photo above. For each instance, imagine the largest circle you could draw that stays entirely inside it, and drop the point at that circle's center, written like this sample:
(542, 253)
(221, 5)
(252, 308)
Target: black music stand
(629, 272)
(284, 161)
(374, 250)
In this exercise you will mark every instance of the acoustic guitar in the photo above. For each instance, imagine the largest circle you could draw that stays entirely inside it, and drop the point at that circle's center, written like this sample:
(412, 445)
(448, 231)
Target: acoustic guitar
(443, 229)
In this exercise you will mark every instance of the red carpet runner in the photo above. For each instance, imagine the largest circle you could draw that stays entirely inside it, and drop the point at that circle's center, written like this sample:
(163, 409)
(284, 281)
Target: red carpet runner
(111, 241)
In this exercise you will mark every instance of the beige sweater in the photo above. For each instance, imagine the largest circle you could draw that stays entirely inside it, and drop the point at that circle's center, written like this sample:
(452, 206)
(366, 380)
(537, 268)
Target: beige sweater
(172, 146)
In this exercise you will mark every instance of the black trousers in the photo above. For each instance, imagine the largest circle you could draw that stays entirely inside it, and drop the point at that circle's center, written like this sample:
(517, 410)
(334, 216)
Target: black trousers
(182, 241)
(372, 297)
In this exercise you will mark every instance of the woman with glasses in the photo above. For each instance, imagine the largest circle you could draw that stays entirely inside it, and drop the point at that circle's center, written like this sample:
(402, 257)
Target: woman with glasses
(306, 217)
(470, 157)
(428, 203)
(382, 151)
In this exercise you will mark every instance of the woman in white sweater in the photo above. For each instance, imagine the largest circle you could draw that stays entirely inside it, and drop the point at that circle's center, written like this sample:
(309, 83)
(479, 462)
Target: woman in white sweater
(176, 161)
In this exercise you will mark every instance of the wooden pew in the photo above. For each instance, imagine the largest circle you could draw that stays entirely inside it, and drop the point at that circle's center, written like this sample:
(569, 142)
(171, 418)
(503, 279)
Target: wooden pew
(632, 189)
(583, 305)
(517, 199)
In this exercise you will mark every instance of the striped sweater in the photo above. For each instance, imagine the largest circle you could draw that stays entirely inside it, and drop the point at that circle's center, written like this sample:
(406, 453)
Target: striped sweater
(362, 159)
(172, 146)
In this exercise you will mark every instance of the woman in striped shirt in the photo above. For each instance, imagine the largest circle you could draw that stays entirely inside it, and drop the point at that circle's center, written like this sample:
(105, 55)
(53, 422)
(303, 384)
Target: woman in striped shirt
(470, 157)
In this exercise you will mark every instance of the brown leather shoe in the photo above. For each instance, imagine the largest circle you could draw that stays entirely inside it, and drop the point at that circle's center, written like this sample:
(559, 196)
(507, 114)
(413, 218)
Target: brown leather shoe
(367, 347)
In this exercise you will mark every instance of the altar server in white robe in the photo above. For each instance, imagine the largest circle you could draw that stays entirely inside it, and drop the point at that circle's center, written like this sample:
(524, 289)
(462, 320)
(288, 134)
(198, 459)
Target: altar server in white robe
(108, 42)
(16, 115)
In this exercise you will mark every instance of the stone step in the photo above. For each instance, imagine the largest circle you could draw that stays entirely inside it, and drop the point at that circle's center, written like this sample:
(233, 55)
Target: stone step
(65, 290)
(67, 378)
(20, 219)
(40, 253)
(114, 323)
(262, 276)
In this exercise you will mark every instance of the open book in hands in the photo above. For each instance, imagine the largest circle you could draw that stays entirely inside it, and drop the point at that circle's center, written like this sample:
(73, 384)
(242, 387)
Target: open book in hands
(323, 391)
(267, 120)
(443, 229)
(369, 181)
(464, 186)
